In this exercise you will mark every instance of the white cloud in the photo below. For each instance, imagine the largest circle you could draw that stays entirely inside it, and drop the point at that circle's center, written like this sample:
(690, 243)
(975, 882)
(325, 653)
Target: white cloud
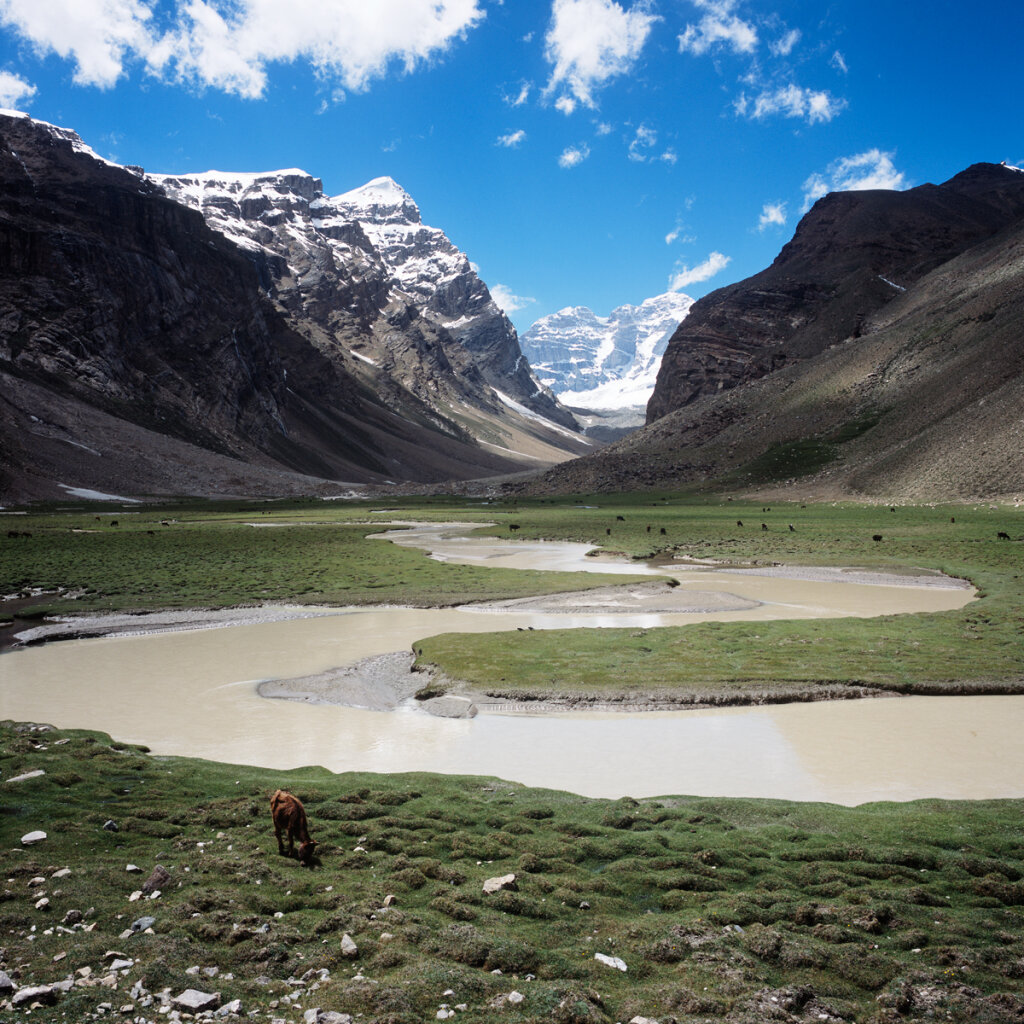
(603, 128)
(790, 101)
(669, 156)
(772, 214)
(520, 97)
(573, 156)
(642, 141)
(719, 26)
(508, 300)
(839, 63)
(14, 90)
(784, 47)
(871, 169)
(512, 140)
(566, 104)
(592, 41)
(96, 35)
(228, 44)
(685, 276)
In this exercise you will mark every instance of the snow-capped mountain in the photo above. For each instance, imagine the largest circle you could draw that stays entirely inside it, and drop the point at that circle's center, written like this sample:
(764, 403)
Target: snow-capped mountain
(594, 362)
(362, 264)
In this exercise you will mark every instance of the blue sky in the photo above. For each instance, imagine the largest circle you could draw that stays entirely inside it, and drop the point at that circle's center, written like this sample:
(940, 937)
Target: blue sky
(582, 152)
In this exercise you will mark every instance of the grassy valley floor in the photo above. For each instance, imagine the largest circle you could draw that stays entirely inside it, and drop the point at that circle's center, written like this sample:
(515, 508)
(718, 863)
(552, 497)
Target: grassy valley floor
(736, 910)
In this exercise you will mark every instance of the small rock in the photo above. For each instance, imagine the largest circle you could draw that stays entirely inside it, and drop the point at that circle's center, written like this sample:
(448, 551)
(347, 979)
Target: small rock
(584, 905)
(610, 961)
(348, 947)
(32, 837)
(133, 869)
(121, 965)
(235, 1007)
(211, 972)
(643, 1020)
(194, 1001)
(63, 873)
(43, 904)
(111, 826)
(6, 985)
(515, 997)
(45, 994)
(390, 900)
(157, 880)
(72, 917)
(135, 896)
(143, 923)
(27, 775)
(501, 882)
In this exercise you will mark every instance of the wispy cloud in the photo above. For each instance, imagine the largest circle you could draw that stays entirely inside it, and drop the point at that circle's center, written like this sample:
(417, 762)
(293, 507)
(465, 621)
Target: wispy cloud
(519, 98)
(784, 47)
(838, 61)
(573, 156)
(685, 275)
(871, 169)
(641, 143)
(718, 27)
(592, 41)
(14, 90)
(791, 100)
(512, 140)
(508, 300)
(772, 214)
(228, 44)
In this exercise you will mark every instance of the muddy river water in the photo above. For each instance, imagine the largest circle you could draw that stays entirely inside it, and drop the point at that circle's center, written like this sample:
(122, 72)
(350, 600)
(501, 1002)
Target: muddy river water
(193, 692)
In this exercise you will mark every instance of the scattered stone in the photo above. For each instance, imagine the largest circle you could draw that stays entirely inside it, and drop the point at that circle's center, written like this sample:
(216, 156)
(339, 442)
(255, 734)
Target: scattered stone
(133, 869)
(60, 956)
(194, 1001)
(515, 997)
(318, 1016)
(72, 917)
(390, 900)
(211, 972)
(157, 880)
(45, 994)
(27, 775)
(643, 1020)
(501, 882)
(111, 826)
(611, 961)
(348, 947)
(584, 905)
(235, 1007)
(32, 837)
(143, 923)
(135, 896)
(43, 904)
(6, 985)
(444, 1014)
(63, 873)
(122, 965)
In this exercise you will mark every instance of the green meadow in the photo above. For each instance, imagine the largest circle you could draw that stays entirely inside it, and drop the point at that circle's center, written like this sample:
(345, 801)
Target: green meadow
(735, 910)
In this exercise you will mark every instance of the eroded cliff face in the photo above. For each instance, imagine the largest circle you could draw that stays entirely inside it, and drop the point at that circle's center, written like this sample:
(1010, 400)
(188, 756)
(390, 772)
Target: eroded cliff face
(124, 314)
(853, 253)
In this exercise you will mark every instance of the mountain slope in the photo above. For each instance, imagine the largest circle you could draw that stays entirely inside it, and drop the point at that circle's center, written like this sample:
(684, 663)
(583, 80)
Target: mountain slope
(922, 402)
(853, 253)
(135, 341)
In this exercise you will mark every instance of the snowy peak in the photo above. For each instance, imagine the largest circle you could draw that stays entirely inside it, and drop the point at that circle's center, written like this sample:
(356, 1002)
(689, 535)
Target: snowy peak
(381, 201)
(604, 362)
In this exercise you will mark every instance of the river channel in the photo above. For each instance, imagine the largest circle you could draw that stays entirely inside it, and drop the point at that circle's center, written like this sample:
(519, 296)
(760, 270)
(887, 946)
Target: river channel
(194, 692)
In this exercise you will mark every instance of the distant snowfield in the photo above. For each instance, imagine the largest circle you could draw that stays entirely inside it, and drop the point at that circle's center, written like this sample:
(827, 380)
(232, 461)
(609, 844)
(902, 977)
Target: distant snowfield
(604, 363)
(84, 492)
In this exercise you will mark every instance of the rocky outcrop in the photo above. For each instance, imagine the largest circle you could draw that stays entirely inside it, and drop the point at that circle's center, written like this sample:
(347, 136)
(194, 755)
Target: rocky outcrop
(852, 254)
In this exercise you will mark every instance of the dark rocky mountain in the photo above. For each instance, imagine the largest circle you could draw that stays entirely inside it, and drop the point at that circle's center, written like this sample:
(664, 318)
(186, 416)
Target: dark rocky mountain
(852, 254)
(849, 385)
(141, 351)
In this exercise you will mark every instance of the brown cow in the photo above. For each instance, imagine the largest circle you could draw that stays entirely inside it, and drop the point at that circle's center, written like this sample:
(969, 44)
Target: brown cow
(290, 817)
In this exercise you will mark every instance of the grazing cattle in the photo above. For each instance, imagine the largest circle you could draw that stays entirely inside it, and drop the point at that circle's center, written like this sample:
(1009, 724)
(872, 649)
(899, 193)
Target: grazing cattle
(648, 529)
(792, 528)
(739, 522)
(621, 519)
(608, 531)
(952, 519)
(113, 522)
(513, 527)
(290, 817)
(876, 537)
(663, 531)
(1002, 536)
(764, 526)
